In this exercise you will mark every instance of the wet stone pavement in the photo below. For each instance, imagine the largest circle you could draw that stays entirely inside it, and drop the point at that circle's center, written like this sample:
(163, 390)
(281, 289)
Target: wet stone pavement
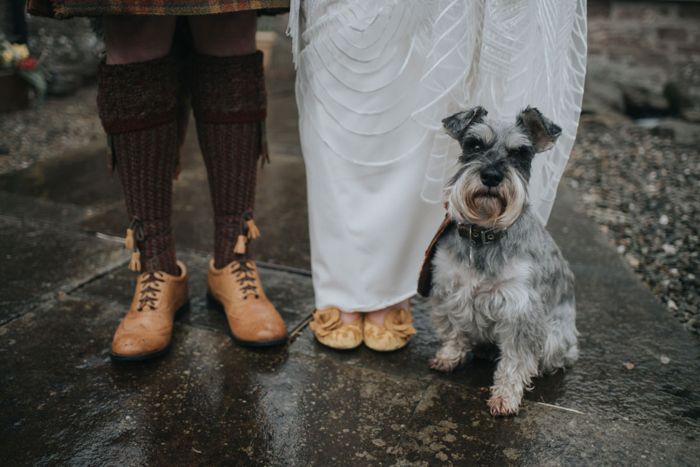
(64, 287)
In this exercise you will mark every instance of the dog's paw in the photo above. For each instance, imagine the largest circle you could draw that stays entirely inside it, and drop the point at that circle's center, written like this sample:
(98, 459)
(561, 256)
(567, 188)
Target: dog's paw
(448, 358)
(443, 364)
(503, 408)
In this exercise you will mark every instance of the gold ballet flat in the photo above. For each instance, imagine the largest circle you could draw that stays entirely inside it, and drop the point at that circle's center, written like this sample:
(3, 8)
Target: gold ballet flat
(331, 331)
(395, 334)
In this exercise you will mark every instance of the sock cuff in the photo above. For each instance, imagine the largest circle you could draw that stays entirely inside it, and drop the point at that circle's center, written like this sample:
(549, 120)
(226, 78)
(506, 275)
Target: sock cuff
(228, 89)
(137, 96)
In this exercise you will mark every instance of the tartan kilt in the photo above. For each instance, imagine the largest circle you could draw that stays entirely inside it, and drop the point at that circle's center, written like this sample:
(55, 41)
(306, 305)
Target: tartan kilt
(64, 9)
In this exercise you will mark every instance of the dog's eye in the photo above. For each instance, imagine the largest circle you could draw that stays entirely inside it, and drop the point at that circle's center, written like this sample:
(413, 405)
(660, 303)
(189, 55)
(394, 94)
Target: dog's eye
(517, 152)
(476, 148)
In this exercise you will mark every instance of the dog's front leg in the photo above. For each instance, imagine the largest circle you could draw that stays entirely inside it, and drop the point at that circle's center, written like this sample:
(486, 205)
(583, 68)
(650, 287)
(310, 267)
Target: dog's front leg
(455, 344)
(520, 340)
(451, 355)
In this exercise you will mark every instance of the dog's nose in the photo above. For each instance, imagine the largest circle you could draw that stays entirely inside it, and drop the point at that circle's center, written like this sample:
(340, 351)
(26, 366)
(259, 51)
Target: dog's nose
(491, 177)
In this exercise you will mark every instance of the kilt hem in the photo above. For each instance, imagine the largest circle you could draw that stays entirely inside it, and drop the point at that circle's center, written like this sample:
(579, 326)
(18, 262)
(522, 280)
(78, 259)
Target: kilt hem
(60, 9)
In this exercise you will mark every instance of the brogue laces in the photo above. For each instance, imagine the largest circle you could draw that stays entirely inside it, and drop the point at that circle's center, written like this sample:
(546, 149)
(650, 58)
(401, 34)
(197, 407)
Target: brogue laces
(245, 276)
(150, 291)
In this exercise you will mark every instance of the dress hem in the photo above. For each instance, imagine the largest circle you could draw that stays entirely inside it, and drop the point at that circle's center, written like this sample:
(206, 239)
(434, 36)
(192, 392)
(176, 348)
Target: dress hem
(368, 309)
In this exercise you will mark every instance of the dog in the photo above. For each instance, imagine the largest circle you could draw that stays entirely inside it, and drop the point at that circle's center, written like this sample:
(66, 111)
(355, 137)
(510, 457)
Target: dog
(493, 273)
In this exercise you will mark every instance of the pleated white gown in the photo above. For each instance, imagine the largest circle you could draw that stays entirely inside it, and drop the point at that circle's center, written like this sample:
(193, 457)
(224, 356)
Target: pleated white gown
(375, 78)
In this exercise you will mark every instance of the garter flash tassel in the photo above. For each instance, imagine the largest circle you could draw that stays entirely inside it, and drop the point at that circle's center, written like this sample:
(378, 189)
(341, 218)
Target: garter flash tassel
(240, 245)
(129, 240)
(253, 231)
(135, 263)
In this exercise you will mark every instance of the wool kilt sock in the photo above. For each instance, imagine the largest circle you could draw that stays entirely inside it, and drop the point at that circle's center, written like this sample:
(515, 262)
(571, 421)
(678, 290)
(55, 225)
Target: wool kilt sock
(137, 103)
(229, 104)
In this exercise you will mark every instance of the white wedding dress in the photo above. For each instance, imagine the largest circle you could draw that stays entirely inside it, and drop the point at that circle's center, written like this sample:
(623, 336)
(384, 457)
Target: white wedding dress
(375, 79)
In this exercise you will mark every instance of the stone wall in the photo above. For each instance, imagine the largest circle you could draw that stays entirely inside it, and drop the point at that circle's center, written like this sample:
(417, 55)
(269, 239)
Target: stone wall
(71, 50)
(648, 50)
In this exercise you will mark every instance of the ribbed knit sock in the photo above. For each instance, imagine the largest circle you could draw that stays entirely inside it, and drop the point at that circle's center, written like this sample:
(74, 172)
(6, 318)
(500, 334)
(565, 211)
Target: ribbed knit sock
(137, 103)
(229, 103)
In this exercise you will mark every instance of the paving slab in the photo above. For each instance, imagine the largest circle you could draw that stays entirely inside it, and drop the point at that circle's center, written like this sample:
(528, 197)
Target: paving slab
(79, 177)
(40, 210)
(448, 428)
(289, 292)
(208, 402)
(577, 236)
(39, 261)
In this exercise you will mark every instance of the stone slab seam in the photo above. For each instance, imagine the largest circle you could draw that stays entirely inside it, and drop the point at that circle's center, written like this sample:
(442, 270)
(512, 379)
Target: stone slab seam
(70, 289)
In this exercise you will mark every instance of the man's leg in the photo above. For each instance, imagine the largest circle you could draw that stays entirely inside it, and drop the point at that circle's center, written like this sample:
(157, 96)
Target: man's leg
(137, 101)
(229, 103)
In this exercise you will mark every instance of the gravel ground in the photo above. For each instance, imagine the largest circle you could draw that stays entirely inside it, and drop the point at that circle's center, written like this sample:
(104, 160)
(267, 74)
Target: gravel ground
(64, 123)
(644, 191)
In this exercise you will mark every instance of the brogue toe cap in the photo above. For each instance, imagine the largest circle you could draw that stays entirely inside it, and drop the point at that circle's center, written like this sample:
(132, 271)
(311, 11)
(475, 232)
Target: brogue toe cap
(138, 344)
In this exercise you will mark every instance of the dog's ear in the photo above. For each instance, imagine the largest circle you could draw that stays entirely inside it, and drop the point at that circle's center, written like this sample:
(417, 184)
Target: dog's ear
(543, 133)
(458, 123)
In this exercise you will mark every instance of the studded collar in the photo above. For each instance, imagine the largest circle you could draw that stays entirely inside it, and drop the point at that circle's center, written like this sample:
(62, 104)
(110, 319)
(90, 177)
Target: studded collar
(479, 235)
(476, 233)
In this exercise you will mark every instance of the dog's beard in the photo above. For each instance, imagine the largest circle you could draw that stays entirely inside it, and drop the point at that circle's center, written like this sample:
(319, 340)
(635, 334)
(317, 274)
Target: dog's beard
(471, 200)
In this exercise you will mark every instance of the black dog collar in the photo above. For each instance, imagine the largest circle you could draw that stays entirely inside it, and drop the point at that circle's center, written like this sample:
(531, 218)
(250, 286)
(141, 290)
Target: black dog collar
(479, 235)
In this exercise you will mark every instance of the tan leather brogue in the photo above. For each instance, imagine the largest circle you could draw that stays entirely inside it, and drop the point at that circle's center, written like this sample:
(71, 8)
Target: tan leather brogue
(147, 328)
(236, 290)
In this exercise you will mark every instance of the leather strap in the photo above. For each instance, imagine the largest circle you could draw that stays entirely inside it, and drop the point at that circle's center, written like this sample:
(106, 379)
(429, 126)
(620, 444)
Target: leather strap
(425, 280)
(474, 233)
(479, 235)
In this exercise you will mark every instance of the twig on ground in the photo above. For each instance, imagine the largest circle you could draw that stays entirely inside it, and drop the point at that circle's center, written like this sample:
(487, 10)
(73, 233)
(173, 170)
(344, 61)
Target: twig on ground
(560, 407)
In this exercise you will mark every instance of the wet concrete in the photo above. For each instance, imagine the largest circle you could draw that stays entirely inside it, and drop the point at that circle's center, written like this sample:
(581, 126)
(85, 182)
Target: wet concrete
(207, 402)
(39, 262)
(211, 402)
(80, 178)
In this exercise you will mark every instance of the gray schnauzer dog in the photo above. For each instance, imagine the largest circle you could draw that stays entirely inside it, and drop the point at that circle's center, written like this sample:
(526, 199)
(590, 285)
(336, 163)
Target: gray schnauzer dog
(494, 274)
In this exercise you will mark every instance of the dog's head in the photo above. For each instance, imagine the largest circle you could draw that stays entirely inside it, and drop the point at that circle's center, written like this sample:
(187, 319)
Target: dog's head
(490, 186)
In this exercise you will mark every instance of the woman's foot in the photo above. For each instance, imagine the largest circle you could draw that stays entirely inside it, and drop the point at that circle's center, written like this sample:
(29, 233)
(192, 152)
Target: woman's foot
(350, 317)
(378, 315)
(336, 329)
(390, 328)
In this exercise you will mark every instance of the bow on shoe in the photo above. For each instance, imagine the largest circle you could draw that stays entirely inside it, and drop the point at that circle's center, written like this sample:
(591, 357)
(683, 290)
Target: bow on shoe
(399, 322)
(326, 321)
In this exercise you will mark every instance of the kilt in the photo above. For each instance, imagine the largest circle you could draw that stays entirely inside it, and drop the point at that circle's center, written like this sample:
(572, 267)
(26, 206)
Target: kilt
(63, 9)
